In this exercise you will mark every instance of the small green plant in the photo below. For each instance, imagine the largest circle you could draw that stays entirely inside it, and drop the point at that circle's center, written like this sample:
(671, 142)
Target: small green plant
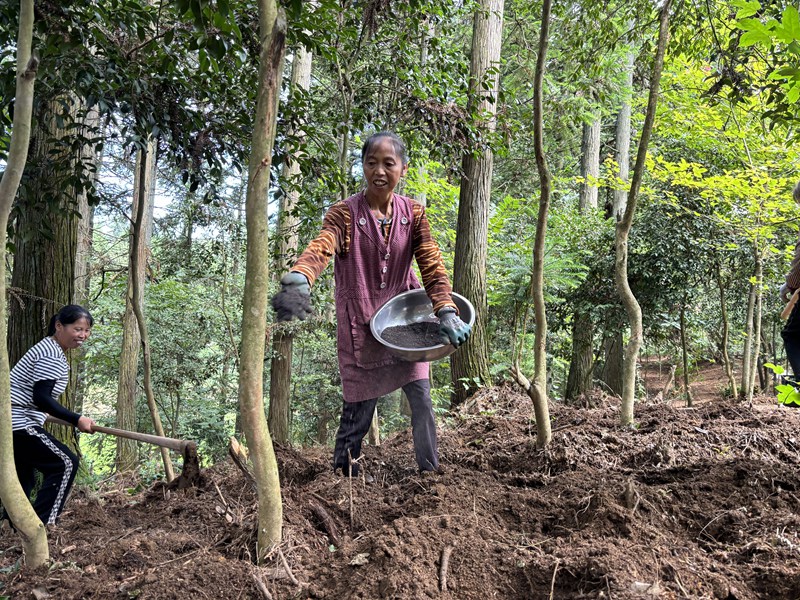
(788, 394)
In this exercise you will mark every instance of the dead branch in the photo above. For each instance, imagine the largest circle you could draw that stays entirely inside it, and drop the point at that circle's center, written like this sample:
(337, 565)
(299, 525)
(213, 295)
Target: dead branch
(262, 587)
(239, 455)
(286, 566)
(327, 523)
(553, 581)
(444, 566)
(521, 380)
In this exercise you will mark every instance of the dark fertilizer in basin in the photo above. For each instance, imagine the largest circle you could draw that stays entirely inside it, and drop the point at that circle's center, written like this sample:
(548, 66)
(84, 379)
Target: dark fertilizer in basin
(414, 335)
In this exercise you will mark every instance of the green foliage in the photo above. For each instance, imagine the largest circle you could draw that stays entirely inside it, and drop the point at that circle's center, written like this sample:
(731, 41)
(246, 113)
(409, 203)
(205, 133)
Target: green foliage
(788, 394)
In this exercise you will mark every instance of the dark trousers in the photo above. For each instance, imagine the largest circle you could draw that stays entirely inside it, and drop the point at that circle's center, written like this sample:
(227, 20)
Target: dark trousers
(37, 450)
(357, 417)
(791, 340)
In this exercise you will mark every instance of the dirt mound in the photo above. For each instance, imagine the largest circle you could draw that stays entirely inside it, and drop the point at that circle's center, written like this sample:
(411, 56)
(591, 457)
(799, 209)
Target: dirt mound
(697, 503)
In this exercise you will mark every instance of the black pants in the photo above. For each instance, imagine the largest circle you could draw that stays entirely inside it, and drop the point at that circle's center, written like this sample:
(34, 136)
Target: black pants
(37, 450)
(357, 417)
(791, 340)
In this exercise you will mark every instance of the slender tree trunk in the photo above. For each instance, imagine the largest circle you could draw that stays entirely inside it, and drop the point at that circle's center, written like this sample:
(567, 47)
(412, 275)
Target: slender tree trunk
(685, 355)
(755, 348)
(470, 365)
(138, 310)
(15, 503)
(726, 359)
(127, 387)
(283, 339)
(623, 139)
(538, 390)
(623, 229)
(747, 362)
(272, 30)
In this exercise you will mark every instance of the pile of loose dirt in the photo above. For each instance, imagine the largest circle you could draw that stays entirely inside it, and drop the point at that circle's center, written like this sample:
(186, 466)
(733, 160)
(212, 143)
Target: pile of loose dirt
(692, 503)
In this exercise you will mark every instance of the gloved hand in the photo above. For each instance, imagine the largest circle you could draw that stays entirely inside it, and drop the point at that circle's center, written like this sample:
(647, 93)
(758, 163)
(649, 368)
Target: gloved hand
(452, 328)
(786, 293)
(294, 299)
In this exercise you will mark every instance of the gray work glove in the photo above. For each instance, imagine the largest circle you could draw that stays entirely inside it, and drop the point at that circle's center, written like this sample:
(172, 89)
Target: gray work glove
(452, 328)
(294, 299)
(786, 293)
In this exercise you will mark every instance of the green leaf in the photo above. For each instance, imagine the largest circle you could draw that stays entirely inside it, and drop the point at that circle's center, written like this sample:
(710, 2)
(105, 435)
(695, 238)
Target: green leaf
(791, 23)
(755, 37)
(793, 94)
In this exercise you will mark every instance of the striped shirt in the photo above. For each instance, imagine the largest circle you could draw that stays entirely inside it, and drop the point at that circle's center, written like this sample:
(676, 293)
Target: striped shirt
(45, 361)
(334, 238)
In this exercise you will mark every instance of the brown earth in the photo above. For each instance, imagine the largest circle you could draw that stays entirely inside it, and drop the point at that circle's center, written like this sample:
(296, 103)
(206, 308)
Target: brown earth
(698, 502)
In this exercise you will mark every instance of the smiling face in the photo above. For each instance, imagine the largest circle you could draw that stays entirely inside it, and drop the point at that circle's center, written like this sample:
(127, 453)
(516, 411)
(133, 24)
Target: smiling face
(73, 335)
(383, 168)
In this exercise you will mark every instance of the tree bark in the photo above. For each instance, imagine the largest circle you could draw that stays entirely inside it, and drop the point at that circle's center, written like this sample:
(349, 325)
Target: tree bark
(469, 366)
(747, 362)
(755, 347)
(590, 165)
(283, 339)
(538, 388)
(623, 139)
(579, 379)
(137, 303)
(15, 503)
(127, 387)
(685, 355)
(612, 373)
(272, 30)
(623, 229)
(726, 359)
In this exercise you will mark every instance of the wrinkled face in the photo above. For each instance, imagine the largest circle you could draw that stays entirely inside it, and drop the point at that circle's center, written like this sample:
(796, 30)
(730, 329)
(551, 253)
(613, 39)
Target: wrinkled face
(383, 168)
(73, 335)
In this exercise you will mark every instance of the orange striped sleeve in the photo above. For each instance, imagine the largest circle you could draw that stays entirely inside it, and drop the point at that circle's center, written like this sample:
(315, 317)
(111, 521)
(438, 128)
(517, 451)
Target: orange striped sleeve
(429, 261)
(333, 238)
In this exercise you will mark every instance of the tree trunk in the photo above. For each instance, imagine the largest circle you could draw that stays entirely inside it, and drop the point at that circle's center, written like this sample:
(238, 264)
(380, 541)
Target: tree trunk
(137, 303)
(283, 339)
(685, 355)
(726, 359)
(623, 229)
(579, 379)
(127, 387)
(612, 373)
(46, 239)
(272, 29)
(470, 365)
(755, 348)
(538, 389)
(15, 503)
(590, 165)
(623, 139)
(747, 362)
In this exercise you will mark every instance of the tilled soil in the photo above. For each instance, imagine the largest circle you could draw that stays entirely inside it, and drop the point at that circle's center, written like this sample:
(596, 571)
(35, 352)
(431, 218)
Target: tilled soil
(699, 502)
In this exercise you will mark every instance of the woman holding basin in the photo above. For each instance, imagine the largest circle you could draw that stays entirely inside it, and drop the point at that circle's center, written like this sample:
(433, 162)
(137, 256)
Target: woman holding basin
(374, 236)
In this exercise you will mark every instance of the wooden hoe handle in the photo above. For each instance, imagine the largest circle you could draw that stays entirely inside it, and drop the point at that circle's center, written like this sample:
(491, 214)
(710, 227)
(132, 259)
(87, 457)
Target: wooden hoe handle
(171, 443)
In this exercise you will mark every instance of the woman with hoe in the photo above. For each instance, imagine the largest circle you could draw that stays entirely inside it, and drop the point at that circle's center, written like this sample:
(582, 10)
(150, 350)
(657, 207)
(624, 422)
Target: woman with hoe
(37, 381)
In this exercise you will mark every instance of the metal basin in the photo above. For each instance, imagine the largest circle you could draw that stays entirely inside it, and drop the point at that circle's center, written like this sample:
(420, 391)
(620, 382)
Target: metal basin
(414, 306)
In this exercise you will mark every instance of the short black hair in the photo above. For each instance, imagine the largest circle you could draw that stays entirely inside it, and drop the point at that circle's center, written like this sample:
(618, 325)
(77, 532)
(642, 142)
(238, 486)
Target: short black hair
(398, 144)
(68, 315)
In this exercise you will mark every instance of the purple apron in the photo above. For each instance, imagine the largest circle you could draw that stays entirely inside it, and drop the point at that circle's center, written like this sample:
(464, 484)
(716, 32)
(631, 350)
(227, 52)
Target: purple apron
(371, 273)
